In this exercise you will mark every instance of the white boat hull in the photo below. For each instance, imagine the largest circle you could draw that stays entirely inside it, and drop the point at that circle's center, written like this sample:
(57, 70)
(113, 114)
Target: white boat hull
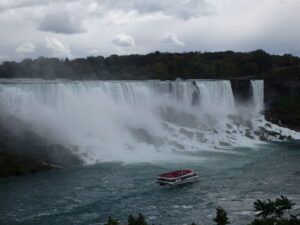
(179, 181)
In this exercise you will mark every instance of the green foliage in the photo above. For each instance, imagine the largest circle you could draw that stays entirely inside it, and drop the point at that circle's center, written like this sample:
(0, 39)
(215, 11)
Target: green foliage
(264, 208)
(221, 217)
(136, 221)
(282, 204)
(157, 65)
(111, 221)
(271, 212)
(273, 208)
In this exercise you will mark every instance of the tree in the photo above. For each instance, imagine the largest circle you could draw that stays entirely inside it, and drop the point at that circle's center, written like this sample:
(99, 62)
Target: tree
(264, 208)
(111, 221)
(139, 221)
(273, 208)
(221, 217)
(282, 204)
(271, 212)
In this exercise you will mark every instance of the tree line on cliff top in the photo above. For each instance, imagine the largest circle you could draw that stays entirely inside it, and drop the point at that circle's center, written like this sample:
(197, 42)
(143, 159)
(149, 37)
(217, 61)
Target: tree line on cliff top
(268, 212)
(157, 65)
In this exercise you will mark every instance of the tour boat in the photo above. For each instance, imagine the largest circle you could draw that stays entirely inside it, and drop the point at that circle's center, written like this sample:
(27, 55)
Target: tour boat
(177, 177)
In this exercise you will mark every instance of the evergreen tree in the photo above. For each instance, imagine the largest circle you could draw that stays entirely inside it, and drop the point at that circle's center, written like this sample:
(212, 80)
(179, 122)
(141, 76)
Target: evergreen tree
(111, 221)
(221, 217)
(139, 221)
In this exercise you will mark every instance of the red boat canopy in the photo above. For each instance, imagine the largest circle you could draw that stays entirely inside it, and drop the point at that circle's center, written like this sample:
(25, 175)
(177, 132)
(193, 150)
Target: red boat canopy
(173, 174)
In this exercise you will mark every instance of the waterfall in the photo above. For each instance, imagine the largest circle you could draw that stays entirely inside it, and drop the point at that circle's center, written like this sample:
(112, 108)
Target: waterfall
(258, 94)
(218, 93)
(134, 120)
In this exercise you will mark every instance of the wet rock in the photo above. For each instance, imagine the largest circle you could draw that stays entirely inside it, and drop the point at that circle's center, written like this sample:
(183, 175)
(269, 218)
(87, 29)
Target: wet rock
(177, 145)
(263, 138)
(143, 135)
(236, 119)
(168, 127)
(266, 135)
(14, 164)
(201, 138)
(249, 135)
(268, 125)
(249, 124)
(289, 138)
(229, 126)
(223, 143)
(25, 152)
(199, 135)
(187, 133)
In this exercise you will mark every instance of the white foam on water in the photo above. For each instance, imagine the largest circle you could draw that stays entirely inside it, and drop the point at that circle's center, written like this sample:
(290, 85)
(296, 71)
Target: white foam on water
(135, 121)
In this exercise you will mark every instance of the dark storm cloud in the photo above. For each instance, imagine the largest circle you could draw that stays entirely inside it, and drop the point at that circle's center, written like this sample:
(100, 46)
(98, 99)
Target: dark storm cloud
(176, 8)
(17, 4)
(61, 22)
(183, 9)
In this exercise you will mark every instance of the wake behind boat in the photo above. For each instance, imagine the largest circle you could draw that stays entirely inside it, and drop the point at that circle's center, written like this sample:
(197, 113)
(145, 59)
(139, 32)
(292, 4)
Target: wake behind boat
(177, 177)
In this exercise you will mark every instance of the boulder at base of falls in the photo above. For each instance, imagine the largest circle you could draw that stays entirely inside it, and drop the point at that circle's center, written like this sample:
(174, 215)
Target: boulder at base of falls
(268, 135)
(283, 118)
(25, 152)
(13, 164)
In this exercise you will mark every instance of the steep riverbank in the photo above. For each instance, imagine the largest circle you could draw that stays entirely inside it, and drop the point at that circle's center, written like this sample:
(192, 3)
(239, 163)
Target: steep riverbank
(282, 99)
(24, 152)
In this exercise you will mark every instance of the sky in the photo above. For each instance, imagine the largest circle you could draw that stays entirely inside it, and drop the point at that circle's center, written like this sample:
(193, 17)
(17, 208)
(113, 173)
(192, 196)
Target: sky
(81, 28)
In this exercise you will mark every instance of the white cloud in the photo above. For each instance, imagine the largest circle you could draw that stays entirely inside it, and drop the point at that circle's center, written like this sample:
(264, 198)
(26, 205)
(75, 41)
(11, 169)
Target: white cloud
(58, 48)
(171, 38)
(123, 40)
(239, 25)
(93, 52)
(25, 48)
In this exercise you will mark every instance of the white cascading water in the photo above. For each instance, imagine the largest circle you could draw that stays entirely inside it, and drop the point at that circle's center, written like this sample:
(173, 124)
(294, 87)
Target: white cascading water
(136, 120)
(258, 94)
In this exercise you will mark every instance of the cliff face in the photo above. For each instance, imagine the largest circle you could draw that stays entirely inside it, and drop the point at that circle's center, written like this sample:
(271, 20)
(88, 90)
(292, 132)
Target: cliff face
(241, 89)
(282, 98)
(24, 152)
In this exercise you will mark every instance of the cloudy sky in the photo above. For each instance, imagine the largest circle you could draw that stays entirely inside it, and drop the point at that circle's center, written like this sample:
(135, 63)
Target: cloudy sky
(79, 28)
